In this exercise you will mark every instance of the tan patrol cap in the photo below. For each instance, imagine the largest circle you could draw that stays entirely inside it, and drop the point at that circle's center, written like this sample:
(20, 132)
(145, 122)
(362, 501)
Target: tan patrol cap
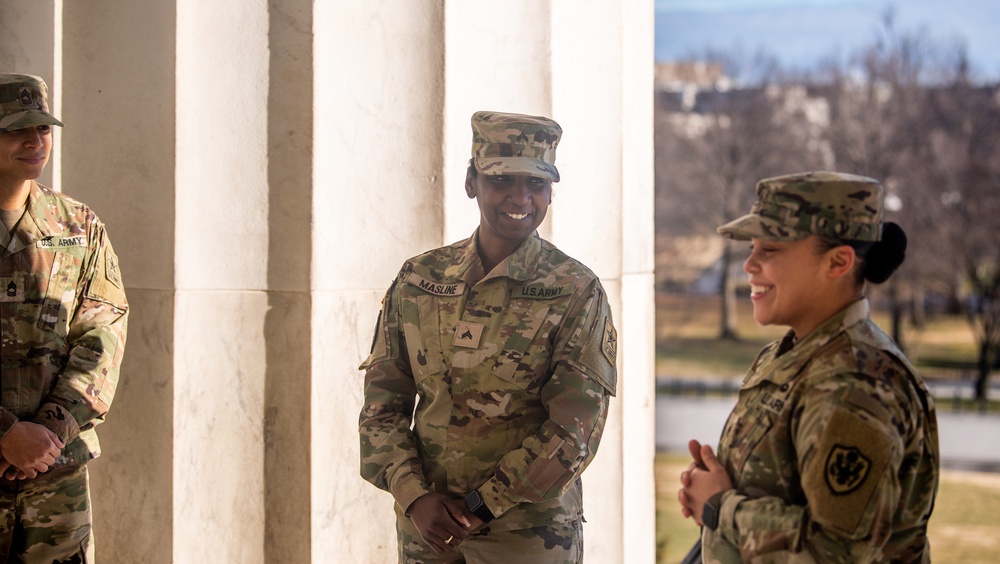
(828, 204)
(505, 143)
(24, 102)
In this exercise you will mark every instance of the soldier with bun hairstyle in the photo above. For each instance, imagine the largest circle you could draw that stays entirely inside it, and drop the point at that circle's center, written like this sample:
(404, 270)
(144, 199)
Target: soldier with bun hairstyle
(831, 453)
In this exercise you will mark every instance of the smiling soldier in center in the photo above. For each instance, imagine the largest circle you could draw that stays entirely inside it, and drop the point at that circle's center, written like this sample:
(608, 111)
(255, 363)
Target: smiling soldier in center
(487, 388)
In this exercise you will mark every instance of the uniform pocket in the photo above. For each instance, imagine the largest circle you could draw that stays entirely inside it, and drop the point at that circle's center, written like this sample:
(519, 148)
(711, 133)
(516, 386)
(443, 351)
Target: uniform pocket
(422, 329)
(741, 437)
(59, 299)
(524, 358)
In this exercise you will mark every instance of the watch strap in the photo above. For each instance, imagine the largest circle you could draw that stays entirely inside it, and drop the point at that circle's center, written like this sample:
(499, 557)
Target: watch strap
(478, 507)
(711, 510)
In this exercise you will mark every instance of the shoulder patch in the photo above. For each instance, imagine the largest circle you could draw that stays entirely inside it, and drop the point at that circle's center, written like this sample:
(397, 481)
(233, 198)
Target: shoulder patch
(111, 271)
(609, 343)
(846, 469)
(453, 289)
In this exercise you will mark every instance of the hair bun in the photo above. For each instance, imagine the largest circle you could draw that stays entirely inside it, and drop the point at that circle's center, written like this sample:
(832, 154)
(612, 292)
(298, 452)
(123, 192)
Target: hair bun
(886, 255)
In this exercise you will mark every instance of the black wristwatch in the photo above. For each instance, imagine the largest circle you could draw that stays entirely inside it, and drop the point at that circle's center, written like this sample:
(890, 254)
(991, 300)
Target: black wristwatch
(475, 503)
(710, 511)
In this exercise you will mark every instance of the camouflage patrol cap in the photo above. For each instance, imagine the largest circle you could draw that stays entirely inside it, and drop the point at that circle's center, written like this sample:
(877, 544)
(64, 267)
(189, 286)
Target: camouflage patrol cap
(24, 102)
(515, 143)
(828, 204)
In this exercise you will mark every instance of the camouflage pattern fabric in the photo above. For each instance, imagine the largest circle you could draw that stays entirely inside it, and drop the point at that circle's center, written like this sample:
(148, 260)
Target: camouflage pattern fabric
(555, 543)
(505, 379)
(515, 143)
(828, 204)
(833, 452)
(47, 518)
(23, 102)
(63, 319)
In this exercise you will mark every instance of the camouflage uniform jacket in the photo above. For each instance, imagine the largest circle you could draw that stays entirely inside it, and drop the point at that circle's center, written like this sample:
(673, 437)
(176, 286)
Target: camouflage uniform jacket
(510, 373)
(64, 321)
(833, 452)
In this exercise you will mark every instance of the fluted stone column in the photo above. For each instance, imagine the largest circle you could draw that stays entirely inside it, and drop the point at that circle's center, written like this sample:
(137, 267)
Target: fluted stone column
(264, 168)
(377, 200)
(118, 155)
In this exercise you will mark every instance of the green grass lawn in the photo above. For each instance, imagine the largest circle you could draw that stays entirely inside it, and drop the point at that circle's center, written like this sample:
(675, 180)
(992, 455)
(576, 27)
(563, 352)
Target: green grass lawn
(963, 528)
(688, 328)
(687, 343)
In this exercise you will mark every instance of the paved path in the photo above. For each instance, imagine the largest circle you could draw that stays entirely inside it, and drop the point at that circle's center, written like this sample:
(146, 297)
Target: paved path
(968, 440)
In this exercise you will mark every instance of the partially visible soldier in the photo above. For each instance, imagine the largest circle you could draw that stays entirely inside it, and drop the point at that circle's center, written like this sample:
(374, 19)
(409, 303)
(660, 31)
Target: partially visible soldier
(63, 313)
(493, 362)
(831, 453)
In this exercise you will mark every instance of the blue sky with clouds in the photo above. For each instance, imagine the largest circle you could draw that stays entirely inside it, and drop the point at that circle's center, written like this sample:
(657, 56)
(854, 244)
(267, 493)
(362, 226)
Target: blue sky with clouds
(801, 32)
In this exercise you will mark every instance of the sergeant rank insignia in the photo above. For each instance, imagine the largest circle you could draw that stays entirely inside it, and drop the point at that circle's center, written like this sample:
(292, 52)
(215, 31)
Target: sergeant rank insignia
(846, 469)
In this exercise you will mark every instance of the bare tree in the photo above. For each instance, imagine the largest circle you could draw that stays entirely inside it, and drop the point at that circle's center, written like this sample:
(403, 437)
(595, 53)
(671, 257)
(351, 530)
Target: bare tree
(713, 152)
(964, 158)
(879, 128)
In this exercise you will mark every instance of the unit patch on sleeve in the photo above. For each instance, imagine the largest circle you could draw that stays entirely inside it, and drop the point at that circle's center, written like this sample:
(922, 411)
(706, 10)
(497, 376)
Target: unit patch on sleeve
(846, 469)
(609, 343)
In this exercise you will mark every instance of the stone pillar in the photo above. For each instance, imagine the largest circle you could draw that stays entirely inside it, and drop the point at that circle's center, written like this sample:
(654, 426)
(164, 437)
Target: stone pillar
(264, 168)
(118, 156)
(377, 200)
(638, 350)
(222, 305)
(288, 327)
(587, 217)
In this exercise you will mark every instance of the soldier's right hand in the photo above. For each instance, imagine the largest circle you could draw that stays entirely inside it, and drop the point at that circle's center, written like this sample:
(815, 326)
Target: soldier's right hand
(437, 523)
(31, 448)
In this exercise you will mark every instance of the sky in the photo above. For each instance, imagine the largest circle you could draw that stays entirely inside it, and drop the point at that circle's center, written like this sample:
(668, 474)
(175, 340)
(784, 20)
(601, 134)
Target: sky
(802, 32)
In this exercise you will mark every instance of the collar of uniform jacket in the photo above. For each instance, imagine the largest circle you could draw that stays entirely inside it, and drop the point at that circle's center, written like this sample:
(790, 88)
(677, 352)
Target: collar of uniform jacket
(36, 224)
(771, 368)
(520, 265)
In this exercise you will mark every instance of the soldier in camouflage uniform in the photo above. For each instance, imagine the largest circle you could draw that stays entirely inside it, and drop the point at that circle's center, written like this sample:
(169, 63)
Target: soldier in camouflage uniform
(63, 315)
(831, 453)
(493, 362)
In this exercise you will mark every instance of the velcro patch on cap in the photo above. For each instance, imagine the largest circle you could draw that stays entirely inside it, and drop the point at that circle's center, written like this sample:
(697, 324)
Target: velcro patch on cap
(24, 95)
